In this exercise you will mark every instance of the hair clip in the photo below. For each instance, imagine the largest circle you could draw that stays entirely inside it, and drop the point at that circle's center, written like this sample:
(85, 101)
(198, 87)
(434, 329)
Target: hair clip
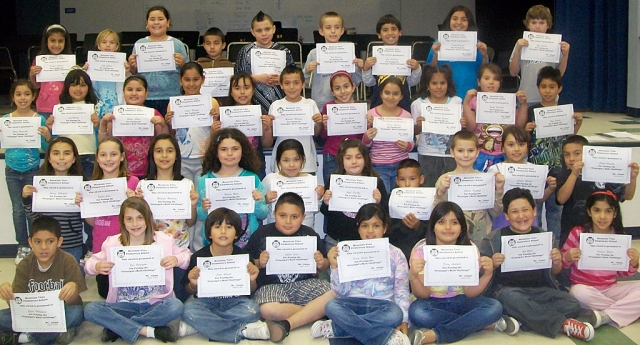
(605, 192)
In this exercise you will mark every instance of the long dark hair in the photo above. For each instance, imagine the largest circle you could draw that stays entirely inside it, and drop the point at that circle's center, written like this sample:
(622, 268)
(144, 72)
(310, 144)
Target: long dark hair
(290, 144)
(368, 211)
(446, 25)
(611, 200)
(428, 72)
(189, 66)
(152, 168)
(441, 210)
(52, 29)
(74, 170)
(354, 143)
(248, 161)
(75, 77)
(235, 80)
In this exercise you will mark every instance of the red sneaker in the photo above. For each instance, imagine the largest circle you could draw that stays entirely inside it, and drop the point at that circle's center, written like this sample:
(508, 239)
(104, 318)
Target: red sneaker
(579, 330)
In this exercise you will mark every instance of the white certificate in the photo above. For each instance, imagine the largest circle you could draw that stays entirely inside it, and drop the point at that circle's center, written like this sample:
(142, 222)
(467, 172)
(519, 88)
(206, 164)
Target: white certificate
(527, 252)
(216, 81)
(103, 197)
(267, 61)
(291, 254)
(495, 107)
(234, 193)
(554, 121)
(393, 129)
(137, 266)
(334, 57)
(606, 164)
(542, 47)
(451, 265)
(191, 111)
(168, 199)
(54, 67)
(473, 191)
(72, 119)
(224, 276)
(418, 201)
(391, 60)
(246, 118)
(133, 121)
(441, 118)
(293, 120)
(38, 312)
(457, 45)
(604, 252)
(56, 193)
(305, 186)
(528, 176)
(155, 56)
(106, 66)
(345, 119)
(349, 193)
(21, 132)
(364, 259)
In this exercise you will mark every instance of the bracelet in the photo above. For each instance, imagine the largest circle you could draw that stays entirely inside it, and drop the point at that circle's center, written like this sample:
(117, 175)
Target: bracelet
(102, 132)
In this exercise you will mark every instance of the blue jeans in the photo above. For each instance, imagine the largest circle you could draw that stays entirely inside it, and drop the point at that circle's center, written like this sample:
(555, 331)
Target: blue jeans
(76, 252)
(73, 314)
(178, 288)
(454, 318)
(15, 182)
(554, 216)
(221, 319)
(388, 173)
(370, 321)
(87, 162)
(329, 165)
(127, 319)
(158, 104)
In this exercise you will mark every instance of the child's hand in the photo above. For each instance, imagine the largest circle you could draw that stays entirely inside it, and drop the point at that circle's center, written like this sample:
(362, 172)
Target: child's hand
(521, 96)
(359, 63)
(95, 120)
(179, 59)
(264, 258)
(369, 120)
(78, 199)
(530, 126)
(33, 71)
(404, 328)
(130, 193)
(522, 43)
(556, 257)
(169, 262)
(419, 121)
(168, 117)
(470, 94)
(274, 79)
(193, 196)
(325, 118)
(482, 48)
(193, 276)
(402, 145)
(499, 181)
(312, 66)
(413, 63)
(133, 63)
(261, 78)
(68, 291)
(253, 271)
(139, 192)
(498, 259)
(572, 255)
(371, 133)
(157, 120)
(104, 267)
(206, 204)
(266, 122)
(271, 197)
(445, 183)
(317, 118)
(411, 222)
(576, 169)
(332, 255)
(319, 259)
(215, 126)
(85, 67)
(564, 48)
(127, 69)
(28, 191)
(215, 112)
(463, 122)
(44, 132)
(417, 266)
(552, 183)
(320, 191)
(6, 292)
(326, 197)
(633, 257)
(486, 263)
(49, 122)
(107, 118)
(377, 196)
(257, 196)
(369, 62)
(436, 47)
(577, 118)
(634, 170)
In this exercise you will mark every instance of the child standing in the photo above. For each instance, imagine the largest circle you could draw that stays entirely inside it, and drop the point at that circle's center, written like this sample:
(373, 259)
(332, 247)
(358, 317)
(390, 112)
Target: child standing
(229, 154)
(434, 150)
(46, 269)
(374, 310)
(460, 18)
(389, 31)
(55, 41)
(129, 312)
(230, 318)
(288, 301)
(464, 149)
(214, 44)
(597, 289)
(539, 20)
(386, 155)
(533, 296)
(490, 135)
(451, 313)
(267, 86)
(22, 164)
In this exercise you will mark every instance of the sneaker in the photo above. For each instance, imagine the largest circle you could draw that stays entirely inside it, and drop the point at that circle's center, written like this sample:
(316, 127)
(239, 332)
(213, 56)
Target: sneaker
(67, 337)
(278, 330)
(418, 336)
(256, 331)
(185, 330)
(599, 318)
(579, 330)
(322, 329)
(165, 334)
(398, 338)
(507, 324)
(109, 336)
(22, 253)
(8, 338)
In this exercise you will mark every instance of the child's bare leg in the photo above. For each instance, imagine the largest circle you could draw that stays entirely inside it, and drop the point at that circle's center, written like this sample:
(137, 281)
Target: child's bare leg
(277, 311)
(310, 312)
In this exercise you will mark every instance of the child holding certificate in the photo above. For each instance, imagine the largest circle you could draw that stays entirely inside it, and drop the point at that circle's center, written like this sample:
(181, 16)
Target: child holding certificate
(618, 304)
(290, 159)
(464, 149)
(533, 297)
(435, 304)
(61, 159)
(46, 269)
(22, 164)
(288, 301)
(230, 154)
(572, 191)
(490, 135)
(386, 155)
(228, 318)
(129, 312)
(373, 310)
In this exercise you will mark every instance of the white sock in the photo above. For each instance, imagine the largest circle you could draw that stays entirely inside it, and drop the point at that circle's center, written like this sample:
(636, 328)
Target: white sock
(150, 332)
(24, 338)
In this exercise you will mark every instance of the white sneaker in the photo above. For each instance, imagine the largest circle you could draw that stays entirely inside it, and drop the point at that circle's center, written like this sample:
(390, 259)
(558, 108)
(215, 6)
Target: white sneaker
(507, 324)
(599, 318)
(22, 253)
(322, 329)
(185, 329)
(256, 331)
(398, 338)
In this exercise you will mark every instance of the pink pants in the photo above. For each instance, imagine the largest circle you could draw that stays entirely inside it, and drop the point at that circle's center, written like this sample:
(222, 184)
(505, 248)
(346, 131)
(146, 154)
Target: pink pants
(620, 301)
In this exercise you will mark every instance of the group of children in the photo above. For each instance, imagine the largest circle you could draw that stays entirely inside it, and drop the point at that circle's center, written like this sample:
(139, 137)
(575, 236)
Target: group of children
(368, 311)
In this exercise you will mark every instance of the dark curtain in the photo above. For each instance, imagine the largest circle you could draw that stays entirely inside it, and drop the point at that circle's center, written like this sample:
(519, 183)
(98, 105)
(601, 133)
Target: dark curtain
(596, 76)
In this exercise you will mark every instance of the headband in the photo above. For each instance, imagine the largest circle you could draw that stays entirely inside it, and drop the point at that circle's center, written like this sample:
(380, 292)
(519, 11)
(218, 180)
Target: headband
(56, 26)
(343, 73)
(605, 192)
